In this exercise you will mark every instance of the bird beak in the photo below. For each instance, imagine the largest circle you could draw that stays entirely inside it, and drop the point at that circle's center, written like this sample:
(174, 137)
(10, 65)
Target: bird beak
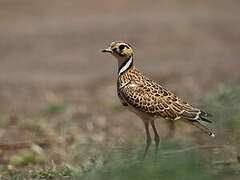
(108, 50)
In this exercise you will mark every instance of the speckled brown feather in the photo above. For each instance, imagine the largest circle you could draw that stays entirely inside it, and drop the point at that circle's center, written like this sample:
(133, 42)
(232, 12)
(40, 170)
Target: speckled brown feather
(151, 99)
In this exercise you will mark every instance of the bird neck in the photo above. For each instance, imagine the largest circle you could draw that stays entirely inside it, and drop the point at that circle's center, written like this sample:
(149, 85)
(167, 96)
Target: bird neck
(125, 65)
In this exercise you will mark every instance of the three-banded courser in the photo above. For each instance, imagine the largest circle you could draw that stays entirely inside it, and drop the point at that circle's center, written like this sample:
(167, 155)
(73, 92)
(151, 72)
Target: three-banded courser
(148, 99)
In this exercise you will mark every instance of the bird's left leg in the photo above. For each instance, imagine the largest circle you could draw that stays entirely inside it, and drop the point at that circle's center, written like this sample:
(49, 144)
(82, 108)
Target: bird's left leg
(148, 137)
(156, 136)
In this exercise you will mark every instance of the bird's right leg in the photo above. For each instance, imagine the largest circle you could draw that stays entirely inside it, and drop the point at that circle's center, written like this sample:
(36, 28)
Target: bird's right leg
(148, 137)
(156, 136)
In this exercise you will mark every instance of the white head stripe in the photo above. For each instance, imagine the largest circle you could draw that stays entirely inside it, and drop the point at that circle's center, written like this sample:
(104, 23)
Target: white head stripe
(125, 67)
(112, 43)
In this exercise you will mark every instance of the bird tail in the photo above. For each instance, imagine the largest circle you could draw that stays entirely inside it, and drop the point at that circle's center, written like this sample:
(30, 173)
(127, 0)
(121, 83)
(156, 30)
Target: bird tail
(203, 116)
(200, 126)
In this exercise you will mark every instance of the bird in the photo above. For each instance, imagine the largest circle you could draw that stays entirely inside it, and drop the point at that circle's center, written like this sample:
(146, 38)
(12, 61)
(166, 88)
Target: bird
(149, 100)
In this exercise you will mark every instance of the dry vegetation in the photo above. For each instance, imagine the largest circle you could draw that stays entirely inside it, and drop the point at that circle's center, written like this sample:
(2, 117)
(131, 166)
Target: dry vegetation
(59, 114)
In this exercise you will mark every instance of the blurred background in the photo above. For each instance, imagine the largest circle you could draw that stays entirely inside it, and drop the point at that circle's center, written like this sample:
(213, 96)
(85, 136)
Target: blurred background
(59, 110)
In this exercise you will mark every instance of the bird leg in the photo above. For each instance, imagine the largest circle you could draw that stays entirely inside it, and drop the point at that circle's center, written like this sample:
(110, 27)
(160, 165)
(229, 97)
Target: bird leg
(156, 136)
(148, 136)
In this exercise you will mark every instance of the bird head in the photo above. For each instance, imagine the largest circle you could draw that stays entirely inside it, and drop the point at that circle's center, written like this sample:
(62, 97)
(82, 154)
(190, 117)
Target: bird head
(120, 50)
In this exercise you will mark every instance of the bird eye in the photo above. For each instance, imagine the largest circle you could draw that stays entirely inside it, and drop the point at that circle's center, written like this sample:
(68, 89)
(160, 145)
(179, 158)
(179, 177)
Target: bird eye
(121, 47)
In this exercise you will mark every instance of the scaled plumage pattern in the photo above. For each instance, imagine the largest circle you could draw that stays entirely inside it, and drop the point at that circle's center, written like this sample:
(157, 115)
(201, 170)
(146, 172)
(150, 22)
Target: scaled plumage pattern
(148, 99)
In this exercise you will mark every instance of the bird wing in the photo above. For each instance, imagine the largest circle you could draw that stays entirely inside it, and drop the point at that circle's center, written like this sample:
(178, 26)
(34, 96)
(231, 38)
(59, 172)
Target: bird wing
(151, 98)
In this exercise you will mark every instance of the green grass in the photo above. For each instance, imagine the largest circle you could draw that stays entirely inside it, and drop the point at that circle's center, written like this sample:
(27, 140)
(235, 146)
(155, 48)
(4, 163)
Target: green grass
(225, 107)
(28, 158)
(12, 174)
(176, 160)
(52, 109)
(52, 173)
(180, 166)
(171, 144)
(46, 173)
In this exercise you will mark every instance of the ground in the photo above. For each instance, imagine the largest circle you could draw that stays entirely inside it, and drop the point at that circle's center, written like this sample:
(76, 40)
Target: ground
(58, 92)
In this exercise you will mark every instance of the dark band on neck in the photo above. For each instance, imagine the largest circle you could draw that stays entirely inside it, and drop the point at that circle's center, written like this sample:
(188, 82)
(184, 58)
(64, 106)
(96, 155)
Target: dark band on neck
(124, 64)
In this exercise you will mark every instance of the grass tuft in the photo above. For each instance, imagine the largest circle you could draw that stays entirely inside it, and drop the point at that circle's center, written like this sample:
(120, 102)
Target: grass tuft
(28, 159)
(52, 109)
(52, 173)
